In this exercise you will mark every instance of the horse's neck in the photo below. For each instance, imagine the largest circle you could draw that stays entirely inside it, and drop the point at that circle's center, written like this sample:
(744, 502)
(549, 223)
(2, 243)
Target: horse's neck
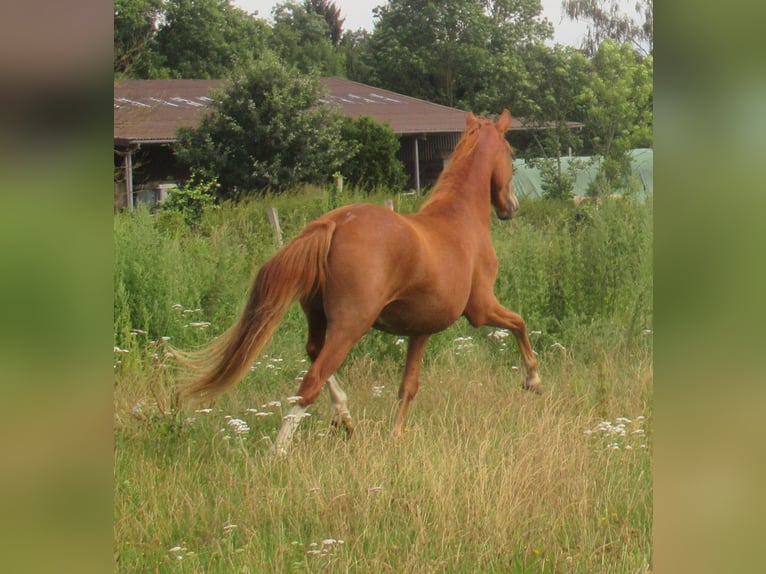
(464, 189)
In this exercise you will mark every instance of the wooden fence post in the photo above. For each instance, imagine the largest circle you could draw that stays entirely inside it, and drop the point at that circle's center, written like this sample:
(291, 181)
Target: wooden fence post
(274, 220)
(339, 184)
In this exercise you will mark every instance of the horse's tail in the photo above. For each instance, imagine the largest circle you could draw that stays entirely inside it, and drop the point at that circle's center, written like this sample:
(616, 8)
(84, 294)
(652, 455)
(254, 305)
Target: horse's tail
(294, 272)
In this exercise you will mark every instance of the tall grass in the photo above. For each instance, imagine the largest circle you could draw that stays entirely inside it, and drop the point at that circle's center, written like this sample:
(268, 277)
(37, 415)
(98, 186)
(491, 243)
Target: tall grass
(488, 478)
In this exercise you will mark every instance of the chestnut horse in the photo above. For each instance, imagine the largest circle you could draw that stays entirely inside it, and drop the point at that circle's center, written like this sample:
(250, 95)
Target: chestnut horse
(364, 266)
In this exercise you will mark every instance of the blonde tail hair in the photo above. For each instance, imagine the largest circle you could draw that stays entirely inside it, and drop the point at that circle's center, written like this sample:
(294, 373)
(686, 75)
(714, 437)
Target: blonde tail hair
(294, 272)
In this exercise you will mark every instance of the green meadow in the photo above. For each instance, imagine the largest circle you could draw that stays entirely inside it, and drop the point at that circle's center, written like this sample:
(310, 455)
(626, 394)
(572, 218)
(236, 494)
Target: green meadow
(487, 478)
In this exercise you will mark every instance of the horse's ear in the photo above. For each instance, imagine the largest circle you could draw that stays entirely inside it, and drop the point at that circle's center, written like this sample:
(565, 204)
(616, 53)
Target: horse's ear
(470, 120)
(504, 122)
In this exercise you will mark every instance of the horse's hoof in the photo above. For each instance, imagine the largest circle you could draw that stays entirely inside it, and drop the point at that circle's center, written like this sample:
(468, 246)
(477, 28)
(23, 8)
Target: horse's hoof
(535, 385)
(346, 424)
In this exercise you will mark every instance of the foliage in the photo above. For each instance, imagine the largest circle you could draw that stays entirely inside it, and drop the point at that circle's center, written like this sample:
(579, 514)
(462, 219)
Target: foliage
(356, 47)
(618, 111)
(267, 130)
(480, 55)
(135, 25)
(191, 199)
(375, 163)
(207, 38)
(442, 51)
(515, 24)
(306, 35)
(555, 182)
(561, 266)
(331, 13)
(607, 21)
(551, 98)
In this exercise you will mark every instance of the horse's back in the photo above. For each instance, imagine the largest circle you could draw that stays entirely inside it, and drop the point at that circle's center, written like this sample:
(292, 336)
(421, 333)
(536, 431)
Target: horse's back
(385, 264)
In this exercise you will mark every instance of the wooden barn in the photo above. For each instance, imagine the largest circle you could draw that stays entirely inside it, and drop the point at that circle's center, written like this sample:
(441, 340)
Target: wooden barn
(147, 114)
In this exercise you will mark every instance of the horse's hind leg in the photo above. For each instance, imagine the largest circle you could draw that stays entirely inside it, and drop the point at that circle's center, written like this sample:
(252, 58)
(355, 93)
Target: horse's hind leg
(340, 403)
(317, 323)
(328, 359)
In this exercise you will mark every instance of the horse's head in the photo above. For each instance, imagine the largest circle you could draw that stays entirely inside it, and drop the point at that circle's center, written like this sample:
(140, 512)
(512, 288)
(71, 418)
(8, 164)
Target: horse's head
(502, 196)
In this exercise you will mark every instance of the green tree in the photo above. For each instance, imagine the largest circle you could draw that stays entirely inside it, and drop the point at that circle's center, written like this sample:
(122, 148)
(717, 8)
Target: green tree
(208, 38)
(453, 53)
(331, 13)
(549, 103)
(430, 50)
(304, 38)
(266, 130)
(135, 26)
(606, 20)
(356, 48)
(516, 23)
(374, 163)
(618, 111)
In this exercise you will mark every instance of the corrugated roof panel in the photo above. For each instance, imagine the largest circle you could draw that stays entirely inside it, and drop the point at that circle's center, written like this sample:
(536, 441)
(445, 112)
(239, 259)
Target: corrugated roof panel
(152, 110)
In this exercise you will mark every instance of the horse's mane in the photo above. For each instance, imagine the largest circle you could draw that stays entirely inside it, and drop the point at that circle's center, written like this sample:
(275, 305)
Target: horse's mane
(454, 175)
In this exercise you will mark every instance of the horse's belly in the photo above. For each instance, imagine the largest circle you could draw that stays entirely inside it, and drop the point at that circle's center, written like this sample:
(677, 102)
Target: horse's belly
(402, 318)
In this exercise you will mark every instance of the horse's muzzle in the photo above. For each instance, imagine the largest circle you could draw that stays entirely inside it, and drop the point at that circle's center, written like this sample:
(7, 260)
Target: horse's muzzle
(510, 208)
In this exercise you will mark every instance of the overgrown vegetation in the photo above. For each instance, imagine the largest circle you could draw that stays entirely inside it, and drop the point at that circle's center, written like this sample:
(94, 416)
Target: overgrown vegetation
(477, 55)
(488, 478)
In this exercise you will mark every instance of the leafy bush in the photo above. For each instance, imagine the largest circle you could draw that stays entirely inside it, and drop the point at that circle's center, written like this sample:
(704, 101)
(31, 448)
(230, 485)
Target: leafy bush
(191, 199)
(374, 163)
(267, 130)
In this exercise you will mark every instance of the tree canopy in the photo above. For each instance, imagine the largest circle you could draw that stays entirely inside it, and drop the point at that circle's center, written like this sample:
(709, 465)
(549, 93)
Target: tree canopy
(606, 21)
(477, 55)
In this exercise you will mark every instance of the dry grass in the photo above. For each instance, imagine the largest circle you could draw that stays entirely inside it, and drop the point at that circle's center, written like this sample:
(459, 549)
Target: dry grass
(488, 478)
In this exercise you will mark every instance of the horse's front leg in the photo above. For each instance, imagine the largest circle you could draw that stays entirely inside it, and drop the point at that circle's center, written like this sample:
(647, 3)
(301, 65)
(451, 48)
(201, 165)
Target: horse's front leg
(496, 315)
(410, 380)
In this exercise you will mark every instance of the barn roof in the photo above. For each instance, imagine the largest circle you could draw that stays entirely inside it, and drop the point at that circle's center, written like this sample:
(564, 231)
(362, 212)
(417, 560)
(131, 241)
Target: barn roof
(404, 114)
(150, 111)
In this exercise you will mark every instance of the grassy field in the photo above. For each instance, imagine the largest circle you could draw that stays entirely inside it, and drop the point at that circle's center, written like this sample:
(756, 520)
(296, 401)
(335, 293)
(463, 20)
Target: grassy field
(488, 478)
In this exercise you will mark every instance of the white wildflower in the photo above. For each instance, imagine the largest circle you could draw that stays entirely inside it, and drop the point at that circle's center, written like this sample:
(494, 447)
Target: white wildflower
(498, 334)
(238, 426)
